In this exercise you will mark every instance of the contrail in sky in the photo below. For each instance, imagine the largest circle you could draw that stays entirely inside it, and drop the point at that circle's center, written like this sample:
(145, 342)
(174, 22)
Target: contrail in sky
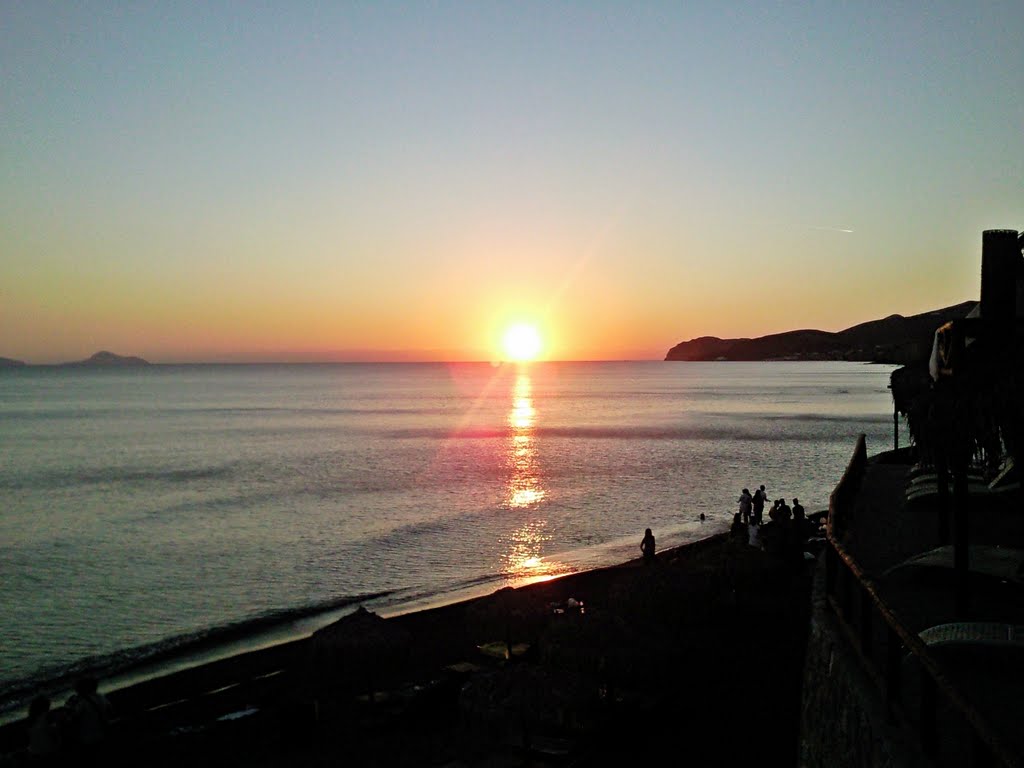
(833, 229)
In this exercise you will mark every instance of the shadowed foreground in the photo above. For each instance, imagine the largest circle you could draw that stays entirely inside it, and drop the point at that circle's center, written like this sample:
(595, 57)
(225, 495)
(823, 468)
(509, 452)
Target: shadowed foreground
(700, 653)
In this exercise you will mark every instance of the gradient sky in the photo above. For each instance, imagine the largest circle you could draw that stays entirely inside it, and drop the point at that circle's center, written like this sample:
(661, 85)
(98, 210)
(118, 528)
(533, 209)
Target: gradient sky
(288, 181)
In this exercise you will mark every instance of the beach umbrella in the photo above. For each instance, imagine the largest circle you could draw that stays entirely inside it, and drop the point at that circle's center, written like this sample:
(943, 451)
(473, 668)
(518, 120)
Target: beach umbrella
(358, 652)
(507, 615)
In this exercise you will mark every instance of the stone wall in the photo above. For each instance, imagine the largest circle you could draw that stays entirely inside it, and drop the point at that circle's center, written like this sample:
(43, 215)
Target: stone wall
(843, 721)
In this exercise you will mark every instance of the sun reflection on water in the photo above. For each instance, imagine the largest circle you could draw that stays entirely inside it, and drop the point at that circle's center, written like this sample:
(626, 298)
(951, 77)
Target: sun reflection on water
(524, 489)
(523, 559)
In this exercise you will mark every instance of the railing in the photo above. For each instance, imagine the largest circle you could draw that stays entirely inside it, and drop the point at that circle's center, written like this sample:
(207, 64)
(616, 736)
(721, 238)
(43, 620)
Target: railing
(881, 642)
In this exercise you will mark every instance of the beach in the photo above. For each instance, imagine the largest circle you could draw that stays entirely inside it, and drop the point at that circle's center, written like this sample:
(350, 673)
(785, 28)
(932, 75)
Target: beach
(156, 511)
(699, 652)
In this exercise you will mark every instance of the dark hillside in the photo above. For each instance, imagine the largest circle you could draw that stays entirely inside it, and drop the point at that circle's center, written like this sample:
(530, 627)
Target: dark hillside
(893, 339)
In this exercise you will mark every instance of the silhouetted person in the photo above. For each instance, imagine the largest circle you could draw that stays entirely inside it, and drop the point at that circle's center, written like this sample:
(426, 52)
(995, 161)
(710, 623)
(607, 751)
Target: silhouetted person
(702, 517)
(799, 518)
(738, 531)
(91, 715)
(43, 732)
(760, 497)
(647, 546)
(745, 505)
(754, 535)
(799, 523)
(784, 512)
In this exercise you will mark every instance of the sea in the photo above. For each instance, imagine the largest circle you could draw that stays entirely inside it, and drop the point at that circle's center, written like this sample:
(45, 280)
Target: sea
(154, 517)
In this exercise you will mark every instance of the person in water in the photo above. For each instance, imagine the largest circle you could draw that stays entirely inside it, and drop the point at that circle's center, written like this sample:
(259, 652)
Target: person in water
(647, 546)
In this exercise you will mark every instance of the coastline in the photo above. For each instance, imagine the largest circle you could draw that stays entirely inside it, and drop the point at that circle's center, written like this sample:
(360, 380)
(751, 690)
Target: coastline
(443, 634)
(181, 655)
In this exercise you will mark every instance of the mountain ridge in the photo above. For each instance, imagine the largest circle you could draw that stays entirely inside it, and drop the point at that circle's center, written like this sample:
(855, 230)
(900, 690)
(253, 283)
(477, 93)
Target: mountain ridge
(892, 339)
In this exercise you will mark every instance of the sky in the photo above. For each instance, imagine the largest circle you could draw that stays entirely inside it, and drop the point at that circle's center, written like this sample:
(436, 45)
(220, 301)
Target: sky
(267, 181)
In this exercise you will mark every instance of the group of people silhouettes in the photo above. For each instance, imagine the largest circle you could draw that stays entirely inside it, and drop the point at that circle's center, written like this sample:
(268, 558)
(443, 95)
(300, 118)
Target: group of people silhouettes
(79, 727)
(789, 535)
(790, 521)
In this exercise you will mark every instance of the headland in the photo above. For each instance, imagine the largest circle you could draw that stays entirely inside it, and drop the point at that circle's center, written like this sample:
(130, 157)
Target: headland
(894, 339)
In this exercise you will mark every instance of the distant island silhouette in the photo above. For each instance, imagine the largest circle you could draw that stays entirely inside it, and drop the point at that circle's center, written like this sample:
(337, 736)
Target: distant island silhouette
(101, 359)
(894, 339)
(108, 360)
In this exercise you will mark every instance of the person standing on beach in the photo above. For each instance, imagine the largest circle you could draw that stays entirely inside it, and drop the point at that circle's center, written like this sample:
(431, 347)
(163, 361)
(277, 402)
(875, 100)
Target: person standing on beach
(738, 531)
(43, 732)
(754, 535)
(798, 512)
(799, 518)
(745, 502)
(647, 547)
(784, 513)
(91, 715)
(760, 496)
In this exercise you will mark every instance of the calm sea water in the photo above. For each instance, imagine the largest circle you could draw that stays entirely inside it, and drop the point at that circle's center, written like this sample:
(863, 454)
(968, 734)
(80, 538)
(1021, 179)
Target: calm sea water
(145, 508)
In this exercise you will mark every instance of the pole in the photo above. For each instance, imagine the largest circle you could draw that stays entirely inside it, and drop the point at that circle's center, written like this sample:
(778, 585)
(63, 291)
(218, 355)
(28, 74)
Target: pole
(895, 428)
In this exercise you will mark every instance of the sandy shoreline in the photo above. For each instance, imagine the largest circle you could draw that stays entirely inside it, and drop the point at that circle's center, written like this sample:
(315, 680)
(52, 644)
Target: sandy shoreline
(626, 605)
(224, 645)
(259, 635)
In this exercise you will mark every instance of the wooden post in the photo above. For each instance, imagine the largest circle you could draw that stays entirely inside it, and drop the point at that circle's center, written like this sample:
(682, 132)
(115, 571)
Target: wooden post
(927, 714)
(893, 670)
(831, 565)
(960, 457)
(866, 627)
(1000, 252)
(942, 483)
(981, 755)
(895, 428)
(961, 504)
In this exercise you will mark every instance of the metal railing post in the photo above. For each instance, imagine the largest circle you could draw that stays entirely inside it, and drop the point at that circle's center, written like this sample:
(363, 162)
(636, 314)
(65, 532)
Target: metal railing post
(831, 565)
(893, 671)
(981, 755)
(928, 715)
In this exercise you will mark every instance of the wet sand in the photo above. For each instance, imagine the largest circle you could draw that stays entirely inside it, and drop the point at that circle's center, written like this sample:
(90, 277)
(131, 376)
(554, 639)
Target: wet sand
(700, 652)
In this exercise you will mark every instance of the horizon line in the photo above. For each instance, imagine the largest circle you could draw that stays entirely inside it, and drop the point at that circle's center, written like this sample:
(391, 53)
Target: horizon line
(496, 363)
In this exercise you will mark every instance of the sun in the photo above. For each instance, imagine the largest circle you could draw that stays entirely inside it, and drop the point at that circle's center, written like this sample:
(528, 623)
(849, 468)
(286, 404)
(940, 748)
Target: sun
(521, 343)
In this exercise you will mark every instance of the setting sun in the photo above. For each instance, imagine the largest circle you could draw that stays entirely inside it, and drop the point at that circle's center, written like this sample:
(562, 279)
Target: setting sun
(521, 343)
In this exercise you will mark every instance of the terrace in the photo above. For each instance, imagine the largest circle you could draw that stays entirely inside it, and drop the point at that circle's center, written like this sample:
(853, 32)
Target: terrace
(925, 559)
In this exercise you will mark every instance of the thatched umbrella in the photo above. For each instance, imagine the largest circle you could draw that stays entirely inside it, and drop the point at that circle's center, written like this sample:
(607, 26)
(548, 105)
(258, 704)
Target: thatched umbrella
(357, 653)
(507, 615)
